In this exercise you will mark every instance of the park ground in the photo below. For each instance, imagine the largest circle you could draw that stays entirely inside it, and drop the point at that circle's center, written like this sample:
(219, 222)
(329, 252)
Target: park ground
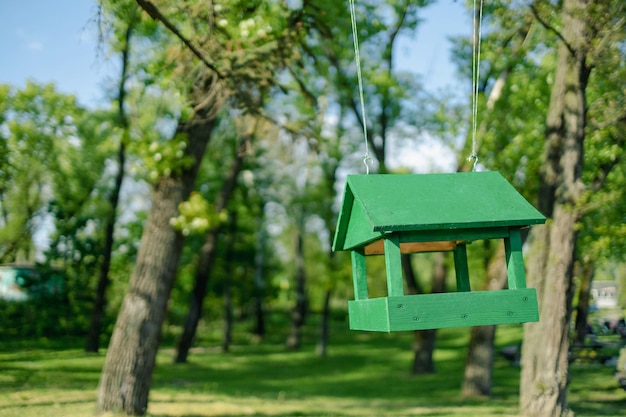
(364, 374)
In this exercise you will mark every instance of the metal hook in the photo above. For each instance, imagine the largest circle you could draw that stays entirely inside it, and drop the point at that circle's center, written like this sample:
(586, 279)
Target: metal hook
(473, 156)
(366, 159)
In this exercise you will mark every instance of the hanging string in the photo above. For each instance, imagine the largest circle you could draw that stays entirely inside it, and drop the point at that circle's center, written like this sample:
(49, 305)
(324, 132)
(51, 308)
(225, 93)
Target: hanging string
(475, 80)
(357, 59)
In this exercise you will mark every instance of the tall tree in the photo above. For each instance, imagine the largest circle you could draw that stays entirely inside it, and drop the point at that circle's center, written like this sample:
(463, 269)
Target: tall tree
(244, 65)
(97, 315)
(208, 251)
(587, 32)
(300, 308)
(127, 373)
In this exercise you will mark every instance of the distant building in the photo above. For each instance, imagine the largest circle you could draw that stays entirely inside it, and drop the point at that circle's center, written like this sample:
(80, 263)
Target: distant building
(22, 282)
(604, 294)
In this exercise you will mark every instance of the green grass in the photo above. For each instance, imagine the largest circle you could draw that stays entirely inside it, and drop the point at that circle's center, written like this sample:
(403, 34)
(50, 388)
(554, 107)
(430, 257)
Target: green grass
(365, 374)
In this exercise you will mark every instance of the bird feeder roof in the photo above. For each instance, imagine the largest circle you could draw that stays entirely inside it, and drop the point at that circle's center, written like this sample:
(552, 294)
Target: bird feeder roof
(374, 205)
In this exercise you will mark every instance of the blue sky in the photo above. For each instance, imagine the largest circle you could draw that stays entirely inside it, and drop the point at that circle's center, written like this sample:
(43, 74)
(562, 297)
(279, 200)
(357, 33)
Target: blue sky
(52, 41)
(56, 41)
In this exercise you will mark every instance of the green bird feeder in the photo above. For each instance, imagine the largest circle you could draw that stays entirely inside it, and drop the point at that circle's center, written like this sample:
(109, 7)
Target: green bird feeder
(394, 214)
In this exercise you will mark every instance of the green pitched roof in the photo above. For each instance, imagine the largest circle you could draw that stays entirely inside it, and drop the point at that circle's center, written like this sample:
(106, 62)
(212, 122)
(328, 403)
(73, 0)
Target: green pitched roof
(376, 204)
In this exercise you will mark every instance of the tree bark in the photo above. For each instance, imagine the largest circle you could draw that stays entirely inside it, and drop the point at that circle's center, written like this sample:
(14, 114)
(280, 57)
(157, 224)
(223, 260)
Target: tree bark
(95, 326)
(259, 282)
(298, 313)
(478, 374)
(228, 296)
(205, 264)
(127, 373)
(424, 341)
(545, 365)
(322, 343)
(581, 328)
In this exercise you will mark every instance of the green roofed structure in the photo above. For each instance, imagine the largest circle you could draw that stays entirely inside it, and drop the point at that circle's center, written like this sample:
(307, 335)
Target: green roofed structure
(394, 214)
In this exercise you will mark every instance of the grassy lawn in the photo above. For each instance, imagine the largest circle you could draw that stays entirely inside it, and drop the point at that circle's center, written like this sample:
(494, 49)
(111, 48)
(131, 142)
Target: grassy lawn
(365, 374)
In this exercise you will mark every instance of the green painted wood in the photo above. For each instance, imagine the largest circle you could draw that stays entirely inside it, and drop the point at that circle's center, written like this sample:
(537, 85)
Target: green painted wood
(460, 267)
(375, 204)
(458, 208)
(514, 260)
(393, 266)
(358, 230)
(435, 311)
(359, 275)
(372, 314)
(454, 234)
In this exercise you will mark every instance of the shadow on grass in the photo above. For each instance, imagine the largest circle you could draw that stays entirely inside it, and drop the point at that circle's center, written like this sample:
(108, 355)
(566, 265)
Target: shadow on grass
(43, 404)
(370, 371)
(613, 408)
(375, 368)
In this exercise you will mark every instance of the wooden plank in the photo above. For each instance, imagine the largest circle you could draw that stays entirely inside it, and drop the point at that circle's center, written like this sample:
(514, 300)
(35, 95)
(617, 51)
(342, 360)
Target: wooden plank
(441, 201)
(343, 220)
(469, 234)
(377, 248)
(359, 275)
(461, 268)
(393, 265)
(514, 260)
(369, 314)
(358, 229)
(435, 311)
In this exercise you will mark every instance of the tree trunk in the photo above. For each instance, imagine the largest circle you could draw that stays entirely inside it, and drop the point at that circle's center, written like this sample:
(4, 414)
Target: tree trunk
(322, 344)
(228, 296)
(581, 328)
(478, 375)
(545, 365)
(205, 264)
(206, 261)
(298, 313)
(227, 337)
(424, 341)
(95, 325)
(477, 378)
(127, 373)
(259, 284)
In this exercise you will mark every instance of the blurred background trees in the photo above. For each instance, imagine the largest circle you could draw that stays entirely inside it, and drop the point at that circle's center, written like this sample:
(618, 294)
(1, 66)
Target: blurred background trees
(208, 190)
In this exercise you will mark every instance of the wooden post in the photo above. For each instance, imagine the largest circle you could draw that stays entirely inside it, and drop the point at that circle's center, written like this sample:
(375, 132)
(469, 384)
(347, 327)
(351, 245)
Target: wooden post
(514, 259)
(393, 265)
(359, 275)
(461, 268)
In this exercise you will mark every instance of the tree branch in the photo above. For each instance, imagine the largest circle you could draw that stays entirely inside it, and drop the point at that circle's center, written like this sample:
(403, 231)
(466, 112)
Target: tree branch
(155, 14)
(551, 28)
(394, 33)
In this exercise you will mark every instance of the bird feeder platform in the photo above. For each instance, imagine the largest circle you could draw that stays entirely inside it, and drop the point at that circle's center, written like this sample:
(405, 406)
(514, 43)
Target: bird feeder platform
(394, 214)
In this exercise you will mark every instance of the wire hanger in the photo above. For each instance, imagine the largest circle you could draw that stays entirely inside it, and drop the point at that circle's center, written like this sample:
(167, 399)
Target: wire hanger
(357, 59)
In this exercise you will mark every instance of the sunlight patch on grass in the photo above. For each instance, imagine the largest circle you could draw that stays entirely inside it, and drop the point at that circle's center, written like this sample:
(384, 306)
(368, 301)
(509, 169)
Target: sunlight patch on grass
(365, 374)
(48, 403)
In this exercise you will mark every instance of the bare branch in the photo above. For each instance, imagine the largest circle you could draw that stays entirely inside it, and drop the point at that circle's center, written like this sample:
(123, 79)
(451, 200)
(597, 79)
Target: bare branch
(551, 28)
(154, 13)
